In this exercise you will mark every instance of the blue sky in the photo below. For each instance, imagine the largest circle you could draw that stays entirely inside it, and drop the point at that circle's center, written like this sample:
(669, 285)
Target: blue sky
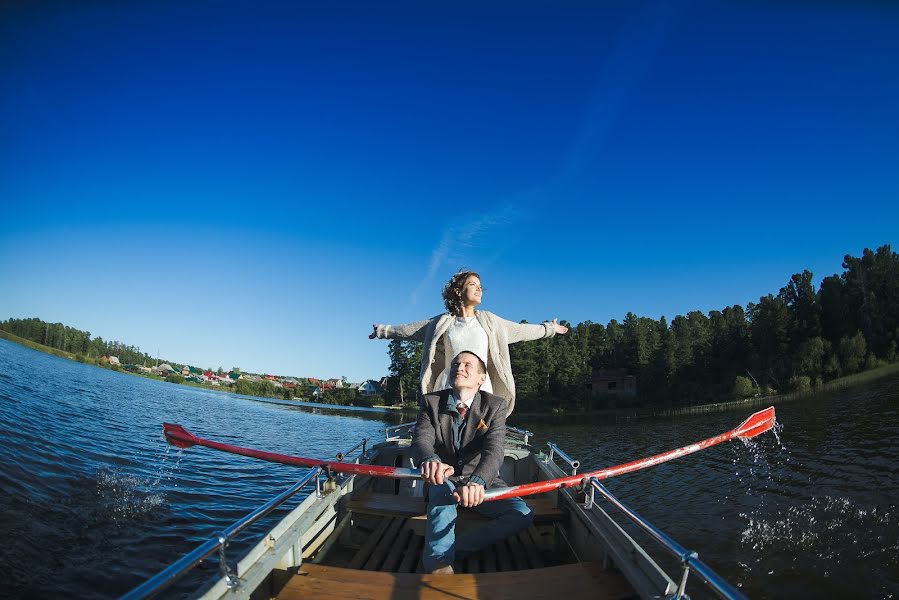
(253, 185)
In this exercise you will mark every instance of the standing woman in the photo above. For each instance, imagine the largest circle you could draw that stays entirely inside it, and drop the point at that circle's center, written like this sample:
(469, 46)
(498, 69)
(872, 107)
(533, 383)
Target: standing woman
(464, 328)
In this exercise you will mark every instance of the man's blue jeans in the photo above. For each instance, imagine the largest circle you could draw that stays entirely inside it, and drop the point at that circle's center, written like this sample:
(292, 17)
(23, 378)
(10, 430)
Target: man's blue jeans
(508, 517)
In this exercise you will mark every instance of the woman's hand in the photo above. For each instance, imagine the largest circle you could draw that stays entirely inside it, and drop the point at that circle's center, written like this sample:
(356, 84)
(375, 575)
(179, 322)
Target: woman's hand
(560, 329)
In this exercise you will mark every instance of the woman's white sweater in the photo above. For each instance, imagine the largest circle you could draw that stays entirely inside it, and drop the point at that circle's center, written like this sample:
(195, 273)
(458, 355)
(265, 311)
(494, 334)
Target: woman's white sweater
(500, 333)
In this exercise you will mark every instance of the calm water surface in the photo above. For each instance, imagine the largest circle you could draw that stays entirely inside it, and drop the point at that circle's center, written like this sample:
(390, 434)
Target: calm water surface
(93, 501)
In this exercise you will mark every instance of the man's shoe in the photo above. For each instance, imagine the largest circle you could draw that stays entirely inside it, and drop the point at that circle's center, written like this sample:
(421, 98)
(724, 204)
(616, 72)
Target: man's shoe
(444, 570)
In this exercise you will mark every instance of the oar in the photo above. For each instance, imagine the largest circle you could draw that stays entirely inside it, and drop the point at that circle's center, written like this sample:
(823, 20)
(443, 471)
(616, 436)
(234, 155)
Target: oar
(182, 438)
(757, 424)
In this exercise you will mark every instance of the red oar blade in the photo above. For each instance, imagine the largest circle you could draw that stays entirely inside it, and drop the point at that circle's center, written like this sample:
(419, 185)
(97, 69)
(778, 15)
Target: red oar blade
(178, 436)
(757, 424)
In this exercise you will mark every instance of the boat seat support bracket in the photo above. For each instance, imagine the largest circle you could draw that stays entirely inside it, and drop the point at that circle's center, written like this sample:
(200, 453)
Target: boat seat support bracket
(329, 485)
(685, 561)
(233, 581)
(589, 494)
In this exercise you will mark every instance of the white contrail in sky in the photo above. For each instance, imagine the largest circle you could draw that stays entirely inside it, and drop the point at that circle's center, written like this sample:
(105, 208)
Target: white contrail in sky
(624, 68)
(462, 241)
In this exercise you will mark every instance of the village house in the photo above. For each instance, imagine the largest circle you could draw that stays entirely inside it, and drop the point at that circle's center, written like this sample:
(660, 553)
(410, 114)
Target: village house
(370, 388)
(163, 370)
(612, 381)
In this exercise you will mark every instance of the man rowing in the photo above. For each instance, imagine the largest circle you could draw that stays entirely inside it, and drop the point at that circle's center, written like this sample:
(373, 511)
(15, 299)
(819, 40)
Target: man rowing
(458, 445)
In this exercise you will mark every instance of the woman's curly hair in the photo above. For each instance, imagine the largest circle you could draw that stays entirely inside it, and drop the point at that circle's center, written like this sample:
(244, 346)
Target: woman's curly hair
(452, 291)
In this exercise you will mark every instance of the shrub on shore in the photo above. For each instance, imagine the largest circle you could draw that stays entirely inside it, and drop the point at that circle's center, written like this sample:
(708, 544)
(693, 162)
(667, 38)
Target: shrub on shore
(800, 383)
(743, 388)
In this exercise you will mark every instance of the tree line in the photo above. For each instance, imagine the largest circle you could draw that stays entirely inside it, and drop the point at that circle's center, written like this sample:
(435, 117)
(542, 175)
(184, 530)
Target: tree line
(78, 342)
(795, 339)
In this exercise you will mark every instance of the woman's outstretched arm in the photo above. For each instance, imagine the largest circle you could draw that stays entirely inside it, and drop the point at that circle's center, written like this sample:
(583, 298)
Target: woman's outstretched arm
(525, 332)
(409, 331)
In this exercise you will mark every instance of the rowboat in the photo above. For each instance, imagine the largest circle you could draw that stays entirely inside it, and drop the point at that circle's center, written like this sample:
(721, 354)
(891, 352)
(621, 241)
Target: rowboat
(359, 531)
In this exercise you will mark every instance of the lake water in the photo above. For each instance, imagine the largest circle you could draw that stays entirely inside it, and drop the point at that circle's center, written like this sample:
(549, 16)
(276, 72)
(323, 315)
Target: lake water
(93, 501)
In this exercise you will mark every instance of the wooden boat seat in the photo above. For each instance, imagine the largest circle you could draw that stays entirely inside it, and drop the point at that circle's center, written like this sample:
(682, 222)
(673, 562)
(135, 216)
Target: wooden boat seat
(413, 507)
(587, 579)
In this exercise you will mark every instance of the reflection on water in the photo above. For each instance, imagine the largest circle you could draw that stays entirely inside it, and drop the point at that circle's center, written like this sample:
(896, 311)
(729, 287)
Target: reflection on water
(807, 511)
(94, 501)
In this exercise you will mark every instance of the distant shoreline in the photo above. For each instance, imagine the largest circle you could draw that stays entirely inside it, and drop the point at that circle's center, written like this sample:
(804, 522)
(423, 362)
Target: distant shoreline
(845, 382)
(223, 390)
(610, 413)
(310, 404)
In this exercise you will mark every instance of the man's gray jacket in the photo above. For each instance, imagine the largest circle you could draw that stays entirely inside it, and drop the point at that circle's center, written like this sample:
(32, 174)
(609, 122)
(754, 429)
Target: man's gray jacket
(480, 451)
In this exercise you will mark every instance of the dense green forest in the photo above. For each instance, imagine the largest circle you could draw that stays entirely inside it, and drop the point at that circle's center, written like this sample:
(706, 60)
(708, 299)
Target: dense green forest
(793, 340)
(77, 342)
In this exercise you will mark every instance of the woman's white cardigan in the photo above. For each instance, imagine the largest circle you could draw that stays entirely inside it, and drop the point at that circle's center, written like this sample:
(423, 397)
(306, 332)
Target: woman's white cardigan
(500, 333)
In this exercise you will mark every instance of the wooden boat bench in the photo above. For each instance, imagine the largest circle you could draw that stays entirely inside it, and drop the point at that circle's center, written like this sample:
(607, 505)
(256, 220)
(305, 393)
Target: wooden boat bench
(583, 580)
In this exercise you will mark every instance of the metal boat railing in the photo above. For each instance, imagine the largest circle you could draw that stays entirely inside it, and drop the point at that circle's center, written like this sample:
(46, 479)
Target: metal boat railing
(689, 559)
(217, 542)
(341, 456)
(553, 450)
(403, 430)
(521, 436)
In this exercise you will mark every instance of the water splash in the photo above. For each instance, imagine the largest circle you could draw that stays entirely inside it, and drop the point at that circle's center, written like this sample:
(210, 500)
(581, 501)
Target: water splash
(819, 532)
(167, 465)
(125, 498)
(776, 429)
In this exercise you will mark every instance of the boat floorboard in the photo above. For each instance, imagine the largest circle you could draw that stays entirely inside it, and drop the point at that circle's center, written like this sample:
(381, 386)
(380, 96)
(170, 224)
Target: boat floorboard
(586, 579)
(414, 507)
(393, 546)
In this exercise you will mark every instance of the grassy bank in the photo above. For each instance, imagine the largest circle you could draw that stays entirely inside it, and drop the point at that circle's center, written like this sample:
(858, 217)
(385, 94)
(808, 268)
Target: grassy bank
(842, 383)
(35, 346)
